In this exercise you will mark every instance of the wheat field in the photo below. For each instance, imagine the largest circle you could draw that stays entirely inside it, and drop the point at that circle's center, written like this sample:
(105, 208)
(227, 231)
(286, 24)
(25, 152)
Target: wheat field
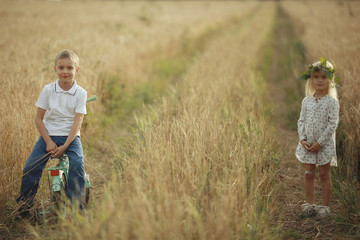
(190, 137)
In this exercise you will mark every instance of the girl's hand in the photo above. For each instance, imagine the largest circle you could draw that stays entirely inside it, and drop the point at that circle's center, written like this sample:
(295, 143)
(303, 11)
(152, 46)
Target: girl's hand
(316, 147)
(58, 151)
(306, 145)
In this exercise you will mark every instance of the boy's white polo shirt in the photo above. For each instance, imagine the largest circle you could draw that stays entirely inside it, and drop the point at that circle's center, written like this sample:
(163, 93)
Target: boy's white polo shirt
(61, 106)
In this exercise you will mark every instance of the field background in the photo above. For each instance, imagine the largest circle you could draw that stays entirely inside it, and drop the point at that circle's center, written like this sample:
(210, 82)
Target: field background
(194, 130)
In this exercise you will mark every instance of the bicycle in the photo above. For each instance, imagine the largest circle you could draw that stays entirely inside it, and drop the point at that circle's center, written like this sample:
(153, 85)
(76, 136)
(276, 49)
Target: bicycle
(57, 177)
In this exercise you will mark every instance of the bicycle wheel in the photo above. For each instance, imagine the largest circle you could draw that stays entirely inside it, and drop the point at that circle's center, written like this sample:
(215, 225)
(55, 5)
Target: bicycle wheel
(87, 195)
(59, 198)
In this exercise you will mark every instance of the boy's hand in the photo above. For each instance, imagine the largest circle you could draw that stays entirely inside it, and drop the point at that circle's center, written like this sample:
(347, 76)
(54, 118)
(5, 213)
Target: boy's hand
(306, 145)
(50, 146)
(58, 151)
(316, 147)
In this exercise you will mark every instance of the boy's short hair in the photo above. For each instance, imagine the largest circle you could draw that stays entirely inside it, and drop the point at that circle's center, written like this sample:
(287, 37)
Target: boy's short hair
(66, 53)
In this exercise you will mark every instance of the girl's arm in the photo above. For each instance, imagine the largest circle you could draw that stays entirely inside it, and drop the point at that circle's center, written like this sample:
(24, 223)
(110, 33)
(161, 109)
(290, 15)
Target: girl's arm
(50, 145)
(78, 119)
(332, 123)
(301, 122)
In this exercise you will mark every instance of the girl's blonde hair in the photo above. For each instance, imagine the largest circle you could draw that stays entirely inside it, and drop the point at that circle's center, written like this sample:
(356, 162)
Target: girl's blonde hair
(332, 92)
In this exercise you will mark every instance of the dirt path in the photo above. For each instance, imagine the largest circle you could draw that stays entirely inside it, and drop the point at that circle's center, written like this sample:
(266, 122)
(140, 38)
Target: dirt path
(291, 184)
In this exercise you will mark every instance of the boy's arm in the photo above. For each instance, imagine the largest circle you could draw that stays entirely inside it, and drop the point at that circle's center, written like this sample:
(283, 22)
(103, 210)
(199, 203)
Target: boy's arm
(50, 145)
(78, 119)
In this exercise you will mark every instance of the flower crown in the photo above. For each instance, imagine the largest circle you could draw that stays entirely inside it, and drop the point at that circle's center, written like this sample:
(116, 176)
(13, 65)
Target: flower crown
(329, 70)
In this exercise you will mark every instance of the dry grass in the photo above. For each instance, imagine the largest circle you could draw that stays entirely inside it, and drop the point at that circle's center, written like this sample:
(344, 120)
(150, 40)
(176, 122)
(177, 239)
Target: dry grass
(202, 164)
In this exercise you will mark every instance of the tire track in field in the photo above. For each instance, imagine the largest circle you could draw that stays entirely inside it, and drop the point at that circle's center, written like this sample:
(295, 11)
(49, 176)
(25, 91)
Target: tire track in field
(220, 62)
(190, 50)
(196, 48)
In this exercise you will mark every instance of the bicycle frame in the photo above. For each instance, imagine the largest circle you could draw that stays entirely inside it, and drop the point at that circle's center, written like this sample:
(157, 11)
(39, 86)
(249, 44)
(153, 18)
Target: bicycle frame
(57, 171)
(54, 175)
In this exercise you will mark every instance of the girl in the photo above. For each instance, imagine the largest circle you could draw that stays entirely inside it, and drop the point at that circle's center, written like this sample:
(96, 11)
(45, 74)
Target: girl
(318, 121)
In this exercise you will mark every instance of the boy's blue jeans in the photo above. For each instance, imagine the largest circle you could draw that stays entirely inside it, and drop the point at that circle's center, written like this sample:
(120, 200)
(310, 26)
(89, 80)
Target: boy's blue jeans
(33, 170)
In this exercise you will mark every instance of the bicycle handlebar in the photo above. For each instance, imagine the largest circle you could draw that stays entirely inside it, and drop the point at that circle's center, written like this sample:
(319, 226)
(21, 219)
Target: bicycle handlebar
(90, 99)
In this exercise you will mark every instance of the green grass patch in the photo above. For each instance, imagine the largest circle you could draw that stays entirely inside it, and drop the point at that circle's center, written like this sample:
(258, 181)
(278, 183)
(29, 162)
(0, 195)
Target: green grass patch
(121, 102)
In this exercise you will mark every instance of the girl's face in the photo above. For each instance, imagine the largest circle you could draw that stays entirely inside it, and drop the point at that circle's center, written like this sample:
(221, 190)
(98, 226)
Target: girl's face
(320, 81)
(66, 70)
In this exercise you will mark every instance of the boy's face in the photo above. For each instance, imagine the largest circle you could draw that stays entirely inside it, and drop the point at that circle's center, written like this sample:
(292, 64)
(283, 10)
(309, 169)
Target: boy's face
(66, 70)
(320, 81)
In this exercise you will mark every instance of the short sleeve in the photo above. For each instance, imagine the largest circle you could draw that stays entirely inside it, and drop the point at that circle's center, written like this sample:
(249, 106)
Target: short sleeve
(43, 100)
(81, 101)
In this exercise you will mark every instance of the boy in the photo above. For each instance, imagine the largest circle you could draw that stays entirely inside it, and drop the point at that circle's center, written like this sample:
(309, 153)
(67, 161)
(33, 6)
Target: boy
(61, 107)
